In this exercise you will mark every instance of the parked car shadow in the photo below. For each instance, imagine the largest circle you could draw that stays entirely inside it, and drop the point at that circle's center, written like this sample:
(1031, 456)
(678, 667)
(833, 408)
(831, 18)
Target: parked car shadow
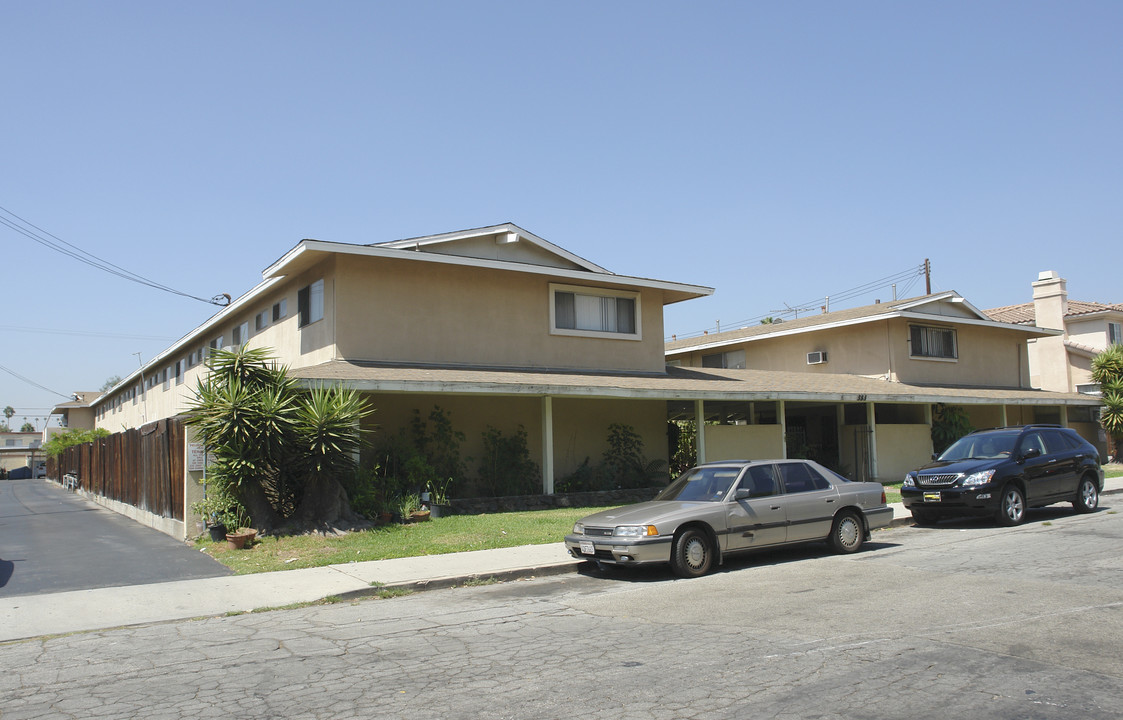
(1034, 516)
(733, 563)
(7, 567)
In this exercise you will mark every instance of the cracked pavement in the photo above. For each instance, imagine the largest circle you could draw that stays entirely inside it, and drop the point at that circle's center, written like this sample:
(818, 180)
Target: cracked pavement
(962, 620)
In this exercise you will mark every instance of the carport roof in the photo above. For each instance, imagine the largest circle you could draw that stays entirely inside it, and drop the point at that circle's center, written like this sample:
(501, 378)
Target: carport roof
(676, 384)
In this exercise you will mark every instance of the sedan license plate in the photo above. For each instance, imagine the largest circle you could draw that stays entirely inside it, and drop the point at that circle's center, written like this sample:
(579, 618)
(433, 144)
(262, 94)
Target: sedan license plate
(932, 497)
(587, 548)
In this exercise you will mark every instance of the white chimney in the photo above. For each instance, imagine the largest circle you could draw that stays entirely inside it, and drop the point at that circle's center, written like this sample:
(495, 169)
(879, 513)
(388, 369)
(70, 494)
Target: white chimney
(1050, 300)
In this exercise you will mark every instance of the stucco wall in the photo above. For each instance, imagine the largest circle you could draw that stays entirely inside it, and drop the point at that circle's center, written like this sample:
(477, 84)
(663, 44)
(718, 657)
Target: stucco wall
(580, 426)
(901, 448)
(987, 356)
(748, 442)
(400, 311)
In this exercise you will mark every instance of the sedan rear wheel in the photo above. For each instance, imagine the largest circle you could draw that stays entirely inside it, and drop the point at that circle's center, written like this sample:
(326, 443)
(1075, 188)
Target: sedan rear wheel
(1087, 496)
(1012, 508)
(847, 532)
(692, 554)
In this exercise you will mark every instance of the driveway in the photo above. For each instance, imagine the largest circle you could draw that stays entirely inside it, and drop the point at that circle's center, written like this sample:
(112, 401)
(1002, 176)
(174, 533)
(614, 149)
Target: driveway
(52, 540)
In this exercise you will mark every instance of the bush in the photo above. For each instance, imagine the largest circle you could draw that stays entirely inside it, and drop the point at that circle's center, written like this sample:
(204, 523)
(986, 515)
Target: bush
(506, 467)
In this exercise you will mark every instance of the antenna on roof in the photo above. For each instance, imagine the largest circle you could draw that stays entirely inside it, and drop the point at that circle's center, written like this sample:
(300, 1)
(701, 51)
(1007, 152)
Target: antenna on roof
(796, 311)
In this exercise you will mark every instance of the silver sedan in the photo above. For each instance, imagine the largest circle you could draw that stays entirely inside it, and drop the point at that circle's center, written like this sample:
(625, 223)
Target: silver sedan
(726, 507)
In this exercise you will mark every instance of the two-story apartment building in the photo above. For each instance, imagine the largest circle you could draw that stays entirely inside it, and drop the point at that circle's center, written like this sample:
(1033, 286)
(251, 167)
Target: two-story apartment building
(939, 347)
(501, 328)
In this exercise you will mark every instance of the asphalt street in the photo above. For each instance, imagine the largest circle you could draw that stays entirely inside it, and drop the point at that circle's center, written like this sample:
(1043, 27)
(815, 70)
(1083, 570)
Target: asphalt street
(52, 540)
(963, 620)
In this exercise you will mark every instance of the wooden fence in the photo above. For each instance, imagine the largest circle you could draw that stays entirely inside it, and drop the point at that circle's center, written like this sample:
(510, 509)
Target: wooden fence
(139, 467)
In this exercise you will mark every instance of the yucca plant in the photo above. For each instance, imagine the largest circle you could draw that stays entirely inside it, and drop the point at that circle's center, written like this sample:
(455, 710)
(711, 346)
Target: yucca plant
(278, 450)
(1107, 370)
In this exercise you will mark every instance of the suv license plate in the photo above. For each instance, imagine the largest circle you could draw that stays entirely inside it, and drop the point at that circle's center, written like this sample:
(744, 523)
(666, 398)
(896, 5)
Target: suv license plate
(931, 497)
(587, 548)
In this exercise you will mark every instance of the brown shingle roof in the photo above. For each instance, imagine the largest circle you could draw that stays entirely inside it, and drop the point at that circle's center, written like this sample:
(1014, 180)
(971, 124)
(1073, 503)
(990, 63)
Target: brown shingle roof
(676, 384)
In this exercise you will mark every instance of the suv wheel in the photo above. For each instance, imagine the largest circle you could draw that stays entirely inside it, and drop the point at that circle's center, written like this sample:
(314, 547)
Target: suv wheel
(1087, 496)
(1012, 508)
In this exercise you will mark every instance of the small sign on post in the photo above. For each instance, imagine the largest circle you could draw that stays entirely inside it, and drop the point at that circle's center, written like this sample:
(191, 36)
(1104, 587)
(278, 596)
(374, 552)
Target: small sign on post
(196, 457)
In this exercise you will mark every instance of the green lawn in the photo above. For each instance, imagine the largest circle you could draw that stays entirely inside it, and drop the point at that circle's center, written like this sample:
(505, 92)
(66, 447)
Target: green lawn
(434, 537)
(1113, 471)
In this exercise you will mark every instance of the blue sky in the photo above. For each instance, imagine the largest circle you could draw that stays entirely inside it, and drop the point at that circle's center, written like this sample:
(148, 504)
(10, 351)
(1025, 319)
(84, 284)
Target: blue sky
(779, 152)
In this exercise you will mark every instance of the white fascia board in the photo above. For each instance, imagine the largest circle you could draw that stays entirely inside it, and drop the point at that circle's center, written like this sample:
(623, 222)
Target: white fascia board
(277, 269)
(199, 333)
(926, 317)
(980, 323)
(493, 230)
(782, 333)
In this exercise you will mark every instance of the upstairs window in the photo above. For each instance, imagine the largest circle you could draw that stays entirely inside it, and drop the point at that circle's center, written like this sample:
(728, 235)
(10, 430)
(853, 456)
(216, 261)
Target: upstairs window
(280, 309)
(310, 303)
(732, 360)
(241, 334)
(1114, 333)
(594, 312)
(261, 321)
(932, 342)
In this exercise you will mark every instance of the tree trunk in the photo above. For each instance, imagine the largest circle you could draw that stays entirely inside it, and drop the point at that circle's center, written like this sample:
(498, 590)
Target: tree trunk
(262, 514)
(326, 507)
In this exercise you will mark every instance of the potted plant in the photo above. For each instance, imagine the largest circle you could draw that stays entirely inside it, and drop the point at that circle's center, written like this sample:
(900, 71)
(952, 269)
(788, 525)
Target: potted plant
(438, 498)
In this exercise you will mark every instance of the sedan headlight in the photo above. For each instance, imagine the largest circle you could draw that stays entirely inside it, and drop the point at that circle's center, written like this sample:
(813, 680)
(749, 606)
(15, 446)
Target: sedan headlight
(979, 478)
(578, 529)
(634, 531)
(910, 480)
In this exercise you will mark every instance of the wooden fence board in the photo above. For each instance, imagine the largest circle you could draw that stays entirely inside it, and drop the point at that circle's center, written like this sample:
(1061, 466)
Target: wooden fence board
(139, 467)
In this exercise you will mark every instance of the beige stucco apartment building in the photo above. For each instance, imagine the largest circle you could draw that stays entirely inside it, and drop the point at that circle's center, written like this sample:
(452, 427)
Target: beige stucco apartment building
(502, 328)
(881, 368)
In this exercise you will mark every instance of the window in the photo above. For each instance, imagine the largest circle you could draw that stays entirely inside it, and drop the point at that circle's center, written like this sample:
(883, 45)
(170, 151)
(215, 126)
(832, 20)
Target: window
(932, 342)
(801, 478)
(732, 360)
(214, 345)
(1114, 333)
(588, 311)
(760, 480)
(241, 334)
(180, 366)
(261, 321)
(279, 310)
(310, 303)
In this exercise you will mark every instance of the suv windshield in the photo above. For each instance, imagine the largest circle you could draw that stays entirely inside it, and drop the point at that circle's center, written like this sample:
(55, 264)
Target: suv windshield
(989, 446)
(702, 484)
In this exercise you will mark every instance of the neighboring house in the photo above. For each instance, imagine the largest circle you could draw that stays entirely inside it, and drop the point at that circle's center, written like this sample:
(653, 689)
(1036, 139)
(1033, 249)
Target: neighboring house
(502, 329)
(927, 346)
(1063, 362)
(20, 449)
(78, 414)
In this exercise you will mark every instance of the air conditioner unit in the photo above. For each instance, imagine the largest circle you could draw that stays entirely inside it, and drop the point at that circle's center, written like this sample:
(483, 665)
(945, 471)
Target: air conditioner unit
(816, 358)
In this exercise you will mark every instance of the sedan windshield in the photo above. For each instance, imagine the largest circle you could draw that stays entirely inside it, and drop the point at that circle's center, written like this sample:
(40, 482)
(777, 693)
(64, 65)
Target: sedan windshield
(981, 447)
(703, 484)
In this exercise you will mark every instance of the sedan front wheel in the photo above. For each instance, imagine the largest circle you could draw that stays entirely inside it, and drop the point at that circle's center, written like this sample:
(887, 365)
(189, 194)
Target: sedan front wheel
(692, 554)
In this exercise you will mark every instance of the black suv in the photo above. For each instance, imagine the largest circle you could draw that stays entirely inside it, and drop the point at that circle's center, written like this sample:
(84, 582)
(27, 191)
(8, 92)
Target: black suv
(1002, 471)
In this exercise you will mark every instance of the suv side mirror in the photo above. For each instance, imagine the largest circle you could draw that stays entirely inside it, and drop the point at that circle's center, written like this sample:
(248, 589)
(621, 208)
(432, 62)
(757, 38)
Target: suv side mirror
(1031, 453)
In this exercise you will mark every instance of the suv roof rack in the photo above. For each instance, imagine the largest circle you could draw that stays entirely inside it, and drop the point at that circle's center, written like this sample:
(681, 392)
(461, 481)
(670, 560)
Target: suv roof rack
(1019, 427)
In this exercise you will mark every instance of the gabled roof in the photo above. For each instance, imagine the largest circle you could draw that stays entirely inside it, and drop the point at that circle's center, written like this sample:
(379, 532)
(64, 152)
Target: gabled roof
(947, 306)
(1023, 313)
(505, 233)
(309, 252)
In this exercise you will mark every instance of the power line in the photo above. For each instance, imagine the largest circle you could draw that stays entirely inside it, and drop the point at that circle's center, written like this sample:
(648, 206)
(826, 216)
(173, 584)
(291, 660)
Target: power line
(85, 333)
(911, 275)
(39, 235)
(15, 374)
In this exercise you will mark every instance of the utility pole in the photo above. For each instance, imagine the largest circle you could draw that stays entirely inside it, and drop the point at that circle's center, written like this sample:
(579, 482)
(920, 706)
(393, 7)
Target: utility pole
(927, 276)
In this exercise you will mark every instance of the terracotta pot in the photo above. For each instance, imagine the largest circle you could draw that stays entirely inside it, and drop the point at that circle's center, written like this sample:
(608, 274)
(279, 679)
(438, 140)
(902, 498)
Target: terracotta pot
(240, 538)
(419, 515)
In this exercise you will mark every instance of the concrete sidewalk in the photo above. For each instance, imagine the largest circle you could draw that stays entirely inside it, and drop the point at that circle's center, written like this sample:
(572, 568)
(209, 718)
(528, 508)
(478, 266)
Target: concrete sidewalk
(84, 610)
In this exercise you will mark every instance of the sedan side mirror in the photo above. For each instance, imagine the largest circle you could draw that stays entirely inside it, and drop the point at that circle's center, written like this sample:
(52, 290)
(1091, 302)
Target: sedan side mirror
(742, 494)
(935, 456)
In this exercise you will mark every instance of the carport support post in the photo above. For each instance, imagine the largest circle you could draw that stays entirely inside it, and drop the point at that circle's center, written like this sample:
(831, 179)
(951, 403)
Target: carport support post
(781, 413)
(871, 418)
(547, 445)
(700, 431)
